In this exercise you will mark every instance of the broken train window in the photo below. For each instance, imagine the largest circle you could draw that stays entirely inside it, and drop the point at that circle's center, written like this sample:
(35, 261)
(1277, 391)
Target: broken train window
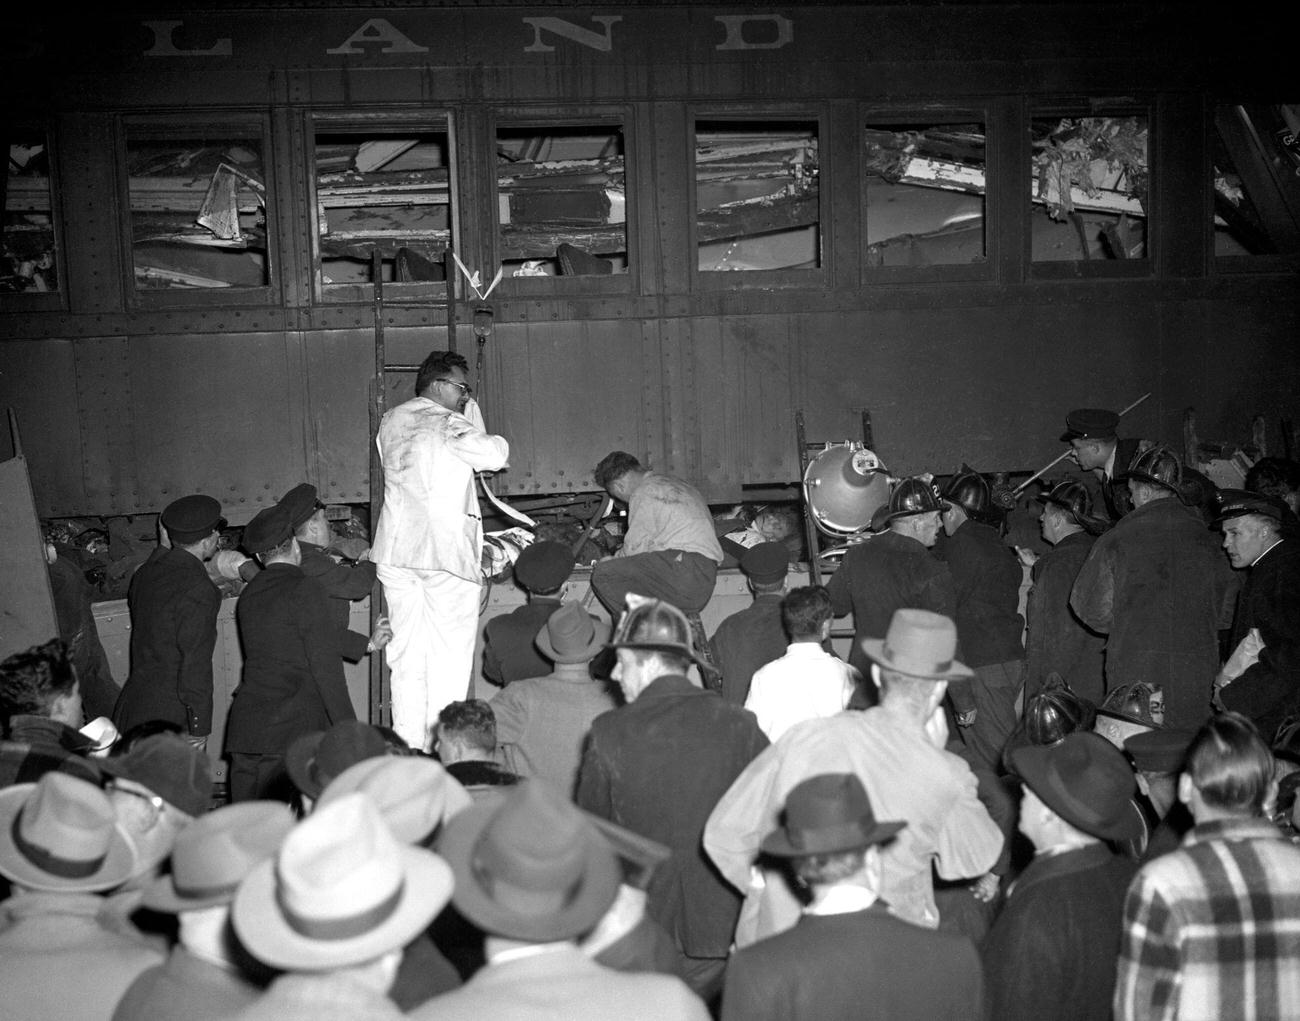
(1256, 179)
(562, 199)
(30, 252)
(382, 190)
(1088, 188)
(925, 184)
(757, 197)
(198, 207)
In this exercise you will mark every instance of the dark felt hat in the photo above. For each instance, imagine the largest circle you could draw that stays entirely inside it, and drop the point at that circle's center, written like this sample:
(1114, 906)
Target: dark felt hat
(1086, 781)
(1234, 503)
(1159, 751)
(1090, 424)
(301, 502)
(270, 527)
(191, 519)
(544, 566)
(169, 766)
(315, 759)
(766, 563)
(826, 814)
(572, 635)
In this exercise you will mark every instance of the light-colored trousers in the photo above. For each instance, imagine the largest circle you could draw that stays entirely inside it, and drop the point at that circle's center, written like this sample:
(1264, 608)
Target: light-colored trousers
(434, 616)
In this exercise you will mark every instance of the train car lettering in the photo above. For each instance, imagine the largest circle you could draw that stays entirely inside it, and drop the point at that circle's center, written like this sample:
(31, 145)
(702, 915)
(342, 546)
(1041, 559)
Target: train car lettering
(587, 37)
(377, 31)
(735, 24)
(165, 46)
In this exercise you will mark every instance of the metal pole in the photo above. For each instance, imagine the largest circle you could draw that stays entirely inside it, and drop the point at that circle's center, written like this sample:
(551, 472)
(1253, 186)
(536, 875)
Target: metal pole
(809, 532)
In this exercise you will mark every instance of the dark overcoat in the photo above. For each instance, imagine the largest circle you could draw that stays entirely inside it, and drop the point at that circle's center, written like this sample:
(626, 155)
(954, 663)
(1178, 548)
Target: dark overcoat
(174, 608)
(986, 576)
(658, 766)
(748, 639)
(508, 650)
(343, 583)
(293, 681)
(1057, 640)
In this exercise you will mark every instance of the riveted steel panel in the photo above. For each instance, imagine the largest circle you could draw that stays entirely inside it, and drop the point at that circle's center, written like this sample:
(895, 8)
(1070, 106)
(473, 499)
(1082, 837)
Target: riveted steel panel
(339, 370)
(106, 406)
(38, 381)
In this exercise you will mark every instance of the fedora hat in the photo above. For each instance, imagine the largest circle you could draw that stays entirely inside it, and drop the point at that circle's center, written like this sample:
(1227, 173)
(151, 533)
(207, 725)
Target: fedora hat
(214, 853)
(60, 835)
(1086, 781)
(825, 814)
(169, 766)
(413, 793)
(341, 891)
(920, 644)
(529, 866)
(572, 635)
(315, 759)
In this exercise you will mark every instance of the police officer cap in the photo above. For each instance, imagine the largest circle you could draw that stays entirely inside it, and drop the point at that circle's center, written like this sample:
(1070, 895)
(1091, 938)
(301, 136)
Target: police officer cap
(1090, 424)
(544, 566)
(191, 519)
(270, 527)
(766, 563)
(1233, 503)
(1159, 751)
(301, 502)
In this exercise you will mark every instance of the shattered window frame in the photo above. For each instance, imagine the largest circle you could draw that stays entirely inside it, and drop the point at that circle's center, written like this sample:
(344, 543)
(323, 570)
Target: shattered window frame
(29, 264)
(589, 277)
(779, 121)
(1086, 172)
(951, 175)
(388, 132)
(229, 209)
(1255, 186)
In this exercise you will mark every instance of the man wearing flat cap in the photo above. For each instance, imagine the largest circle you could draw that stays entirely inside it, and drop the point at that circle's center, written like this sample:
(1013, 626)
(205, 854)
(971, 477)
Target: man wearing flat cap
(293, 681)
(343, 579)
(543, 721)
(755, 636)
(847, 955)
(1056, 641)
(1264, 685)
(535, 875)
(174, 608)
(1051, 951)
(510, 651)
(1096, 448)
(897, 749)
(62, 954)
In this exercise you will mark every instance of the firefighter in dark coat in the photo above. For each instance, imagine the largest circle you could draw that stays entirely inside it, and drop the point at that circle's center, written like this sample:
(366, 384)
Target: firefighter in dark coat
(1057, 641)
(1268, 688)
(895, 569)
(986, 575)
(174, 608)
(1161, 590)
(293, 681)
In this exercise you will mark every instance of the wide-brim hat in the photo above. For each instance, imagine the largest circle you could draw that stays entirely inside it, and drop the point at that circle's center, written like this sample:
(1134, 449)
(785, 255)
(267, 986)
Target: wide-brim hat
(314, 759)
(171, 767)
(826, 814)
(572, 635)
(413, 793)
(214, 854)
(919, 644)
(341, 891)
(529, 866)
(60, 835)
(1086, 781)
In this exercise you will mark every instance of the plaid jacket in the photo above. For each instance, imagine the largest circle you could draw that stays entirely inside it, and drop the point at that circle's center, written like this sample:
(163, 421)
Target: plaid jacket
(1212, 930)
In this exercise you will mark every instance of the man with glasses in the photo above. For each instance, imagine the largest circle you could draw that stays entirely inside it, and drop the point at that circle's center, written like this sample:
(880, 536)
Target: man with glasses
(428, 542)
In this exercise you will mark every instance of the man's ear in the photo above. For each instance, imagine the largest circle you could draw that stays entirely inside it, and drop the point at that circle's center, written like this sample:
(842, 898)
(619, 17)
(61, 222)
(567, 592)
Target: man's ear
(1185, 789)
(940, 689)
(875, 674)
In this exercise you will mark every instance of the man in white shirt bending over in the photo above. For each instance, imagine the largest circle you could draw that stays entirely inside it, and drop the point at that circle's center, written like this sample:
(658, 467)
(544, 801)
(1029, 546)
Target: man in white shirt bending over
(807, 682)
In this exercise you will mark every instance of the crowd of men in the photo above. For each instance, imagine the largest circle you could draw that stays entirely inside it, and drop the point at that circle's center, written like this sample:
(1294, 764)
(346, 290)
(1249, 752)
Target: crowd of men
(1054, 786)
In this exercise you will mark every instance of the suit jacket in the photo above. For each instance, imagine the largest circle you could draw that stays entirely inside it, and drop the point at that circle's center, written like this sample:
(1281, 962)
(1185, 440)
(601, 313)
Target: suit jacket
(430, 518)
(1269, 691)
(1160, 588)
(563, 985)
(508, 650)
(986, 578)
(343, 583)
(185, 986)
(319, 996)
(1051, 951)
(882, 574)
(658, 766)
(174, 607)
(857, 965)
(748, 639)
(1057, 640)
(293, 680)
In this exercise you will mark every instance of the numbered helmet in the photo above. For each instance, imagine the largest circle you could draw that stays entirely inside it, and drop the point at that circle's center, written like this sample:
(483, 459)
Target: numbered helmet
(912, 495)
(1158, 466)
(971, 491)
